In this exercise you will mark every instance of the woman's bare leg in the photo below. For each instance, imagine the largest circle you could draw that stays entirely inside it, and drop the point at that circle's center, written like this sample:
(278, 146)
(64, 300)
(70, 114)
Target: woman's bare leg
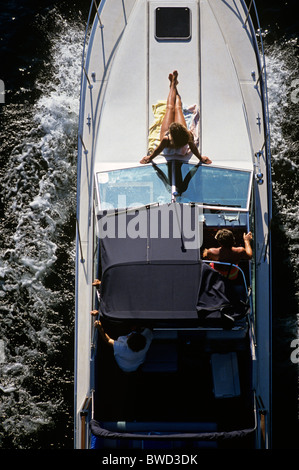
(170, 105)
(178, 111)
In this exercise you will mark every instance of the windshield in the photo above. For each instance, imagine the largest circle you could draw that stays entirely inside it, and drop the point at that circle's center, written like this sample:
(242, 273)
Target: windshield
(142, 185)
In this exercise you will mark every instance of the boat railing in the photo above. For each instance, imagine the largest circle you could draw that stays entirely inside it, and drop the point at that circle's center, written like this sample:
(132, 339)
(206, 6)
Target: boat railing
(229, 265)
(250, 315)
(79, 242)
(97, 12)
(93, 6)
(94, 13)
(262, 428)
(257, 32)
(89, 78)
(84, 419)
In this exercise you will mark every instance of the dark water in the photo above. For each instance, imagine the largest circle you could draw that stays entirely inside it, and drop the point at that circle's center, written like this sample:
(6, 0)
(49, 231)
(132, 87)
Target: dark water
(280, 21)
(40, 56)
(41, 46)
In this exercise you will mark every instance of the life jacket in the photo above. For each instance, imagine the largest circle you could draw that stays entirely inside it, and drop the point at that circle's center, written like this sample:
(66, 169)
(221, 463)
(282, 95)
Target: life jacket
(230, 272)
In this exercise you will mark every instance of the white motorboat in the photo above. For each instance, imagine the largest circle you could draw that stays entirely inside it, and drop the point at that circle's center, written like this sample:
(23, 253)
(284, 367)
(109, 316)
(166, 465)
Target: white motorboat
(142, 228)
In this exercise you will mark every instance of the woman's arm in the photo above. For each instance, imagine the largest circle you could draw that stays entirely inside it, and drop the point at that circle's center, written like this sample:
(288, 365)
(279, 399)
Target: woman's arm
(195, 151)
(161, 146)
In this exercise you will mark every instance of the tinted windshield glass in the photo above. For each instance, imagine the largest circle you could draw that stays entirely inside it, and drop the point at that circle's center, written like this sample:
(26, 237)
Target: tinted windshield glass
(212, 186)
(133, 187)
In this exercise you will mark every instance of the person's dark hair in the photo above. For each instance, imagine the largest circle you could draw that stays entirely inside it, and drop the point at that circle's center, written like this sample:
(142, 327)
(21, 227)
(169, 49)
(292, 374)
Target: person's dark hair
(180, 134)
(136, 341)
(225, 238)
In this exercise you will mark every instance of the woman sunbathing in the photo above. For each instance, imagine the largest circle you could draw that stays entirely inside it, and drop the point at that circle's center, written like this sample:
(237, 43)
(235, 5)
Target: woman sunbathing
(174, 133)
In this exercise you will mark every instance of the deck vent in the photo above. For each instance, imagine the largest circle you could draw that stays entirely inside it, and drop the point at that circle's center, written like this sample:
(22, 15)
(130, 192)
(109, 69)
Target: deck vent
(173, 23)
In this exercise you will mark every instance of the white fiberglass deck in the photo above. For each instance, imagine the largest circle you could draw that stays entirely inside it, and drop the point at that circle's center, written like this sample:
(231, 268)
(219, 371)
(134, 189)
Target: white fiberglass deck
(217, 82)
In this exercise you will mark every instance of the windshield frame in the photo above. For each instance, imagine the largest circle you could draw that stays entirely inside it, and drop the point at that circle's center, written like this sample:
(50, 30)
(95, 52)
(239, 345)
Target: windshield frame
(171, 199)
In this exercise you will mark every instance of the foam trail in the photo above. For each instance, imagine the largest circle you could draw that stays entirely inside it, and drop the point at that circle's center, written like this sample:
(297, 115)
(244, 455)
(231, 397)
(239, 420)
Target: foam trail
(282, 70)
(37, 259)
(282, 65)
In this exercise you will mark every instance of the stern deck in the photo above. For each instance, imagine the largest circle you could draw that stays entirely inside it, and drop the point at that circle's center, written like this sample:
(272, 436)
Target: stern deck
(176, 392)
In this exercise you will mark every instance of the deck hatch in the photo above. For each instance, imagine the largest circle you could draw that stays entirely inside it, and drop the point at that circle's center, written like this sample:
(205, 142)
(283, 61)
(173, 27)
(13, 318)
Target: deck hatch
(173, 23)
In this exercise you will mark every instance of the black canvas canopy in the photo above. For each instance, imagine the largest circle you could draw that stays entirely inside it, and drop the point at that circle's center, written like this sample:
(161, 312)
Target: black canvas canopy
(159, 276)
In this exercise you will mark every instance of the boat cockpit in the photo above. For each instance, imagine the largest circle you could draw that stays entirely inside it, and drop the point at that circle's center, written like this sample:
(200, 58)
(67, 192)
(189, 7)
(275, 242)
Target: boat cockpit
(221, 195)
(199, 319)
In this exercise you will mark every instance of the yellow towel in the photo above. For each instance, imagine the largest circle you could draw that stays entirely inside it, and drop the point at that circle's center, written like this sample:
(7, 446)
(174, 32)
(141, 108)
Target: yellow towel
(191, 115)
(159, 110)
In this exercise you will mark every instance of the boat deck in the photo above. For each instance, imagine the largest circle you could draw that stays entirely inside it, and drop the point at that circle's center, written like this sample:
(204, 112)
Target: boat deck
(175, 384)
(216, 67)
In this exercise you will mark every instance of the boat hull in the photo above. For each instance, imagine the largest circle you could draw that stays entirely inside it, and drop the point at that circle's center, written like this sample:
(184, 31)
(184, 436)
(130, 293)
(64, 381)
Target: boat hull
(125, 73)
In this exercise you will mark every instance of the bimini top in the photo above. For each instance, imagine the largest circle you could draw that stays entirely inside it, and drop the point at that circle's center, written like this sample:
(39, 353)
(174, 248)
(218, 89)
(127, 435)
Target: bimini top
(152, 272)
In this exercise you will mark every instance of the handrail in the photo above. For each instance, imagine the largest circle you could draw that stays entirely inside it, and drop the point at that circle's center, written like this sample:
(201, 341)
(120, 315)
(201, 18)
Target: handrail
(228, 264)
(87, 77)
(83, 145)
(248, 14)
(262, 78)
(97, 12)
(259, 77)
(249, 296)
(80, 243)
(92, 404)
(263, 425)
(90, 20)
(83, 414)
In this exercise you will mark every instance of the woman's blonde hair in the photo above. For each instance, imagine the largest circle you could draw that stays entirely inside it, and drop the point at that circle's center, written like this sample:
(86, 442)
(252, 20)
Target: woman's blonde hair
(180, 134)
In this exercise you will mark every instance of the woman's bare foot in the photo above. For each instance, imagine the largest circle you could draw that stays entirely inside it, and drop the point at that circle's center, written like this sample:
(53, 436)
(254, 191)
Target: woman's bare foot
(173, 78)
